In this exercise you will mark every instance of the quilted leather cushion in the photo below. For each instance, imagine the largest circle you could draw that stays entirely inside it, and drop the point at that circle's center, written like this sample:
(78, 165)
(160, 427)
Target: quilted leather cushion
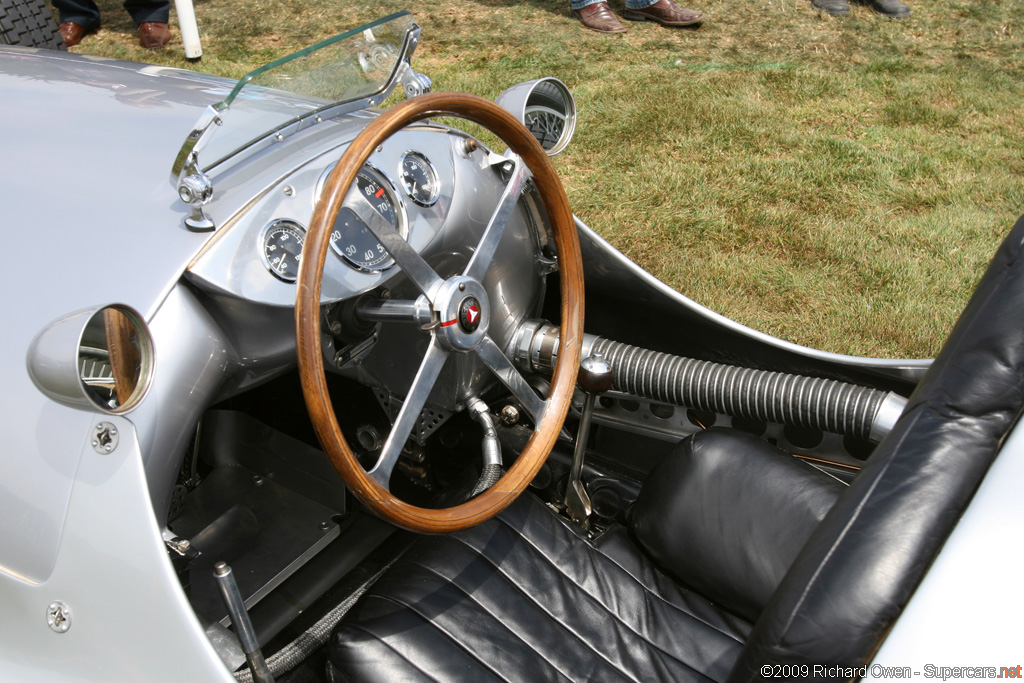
(525, 597)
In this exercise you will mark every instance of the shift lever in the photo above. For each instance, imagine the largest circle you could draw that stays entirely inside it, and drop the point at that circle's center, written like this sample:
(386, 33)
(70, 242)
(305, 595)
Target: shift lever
(595, 377)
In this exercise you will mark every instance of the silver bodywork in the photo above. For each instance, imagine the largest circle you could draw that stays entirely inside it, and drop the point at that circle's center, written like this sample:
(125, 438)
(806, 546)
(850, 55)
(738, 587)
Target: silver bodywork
(92, 221)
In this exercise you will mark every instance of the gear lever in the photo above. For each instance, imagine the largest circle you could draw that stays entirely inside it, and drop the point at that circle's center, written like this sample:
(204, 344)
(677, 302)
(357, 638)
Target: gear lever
(595, 377)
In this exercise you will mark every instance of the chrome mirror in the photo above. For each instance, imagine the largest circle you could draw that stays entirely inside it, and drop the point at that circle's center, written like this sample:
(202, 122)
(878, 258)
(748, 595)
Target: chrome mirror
(546, 108)
(97, 358)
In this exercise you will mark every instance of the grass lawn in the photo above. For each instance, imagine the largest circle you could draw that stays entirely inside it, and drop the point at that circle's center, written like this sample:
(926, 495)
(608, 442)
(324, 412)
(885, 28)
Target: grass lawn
(838, 182)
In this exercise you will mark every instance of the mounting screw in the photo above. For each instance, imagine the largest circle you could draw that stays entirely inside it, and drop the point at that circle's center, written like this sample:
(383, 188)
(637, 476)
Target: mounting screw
(104, 438)
(58, 616)
(258, 480)
(324, 526)
(289, 190)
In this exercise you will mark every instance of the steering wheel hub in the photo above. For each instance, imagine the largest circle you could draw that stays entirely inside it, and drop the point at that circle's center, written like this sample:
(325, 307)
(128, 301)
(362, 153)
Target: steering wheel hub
(463, 309)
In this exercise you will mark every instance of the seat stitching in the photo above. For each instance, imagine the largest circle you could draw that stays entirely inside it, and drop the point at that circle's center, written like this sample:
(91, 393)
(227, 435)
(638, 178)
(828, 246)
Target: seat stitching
(627, 573)
(670, 604)
(442, 631)
(558, 621)
(496, 618)
(390, 647)
(582, 590)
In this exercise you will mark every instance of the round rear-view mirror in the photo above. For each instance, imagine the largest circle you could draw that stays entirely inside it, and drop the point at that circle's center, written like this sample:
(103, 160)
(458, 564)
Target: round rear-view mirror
(100, 358)
(547, 109)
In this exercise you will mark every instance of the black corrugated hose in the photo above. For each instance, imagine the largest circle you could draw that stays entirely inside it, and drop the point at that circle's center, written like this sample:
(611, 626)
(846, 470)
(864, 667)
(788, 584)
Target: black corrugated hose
(823, 404)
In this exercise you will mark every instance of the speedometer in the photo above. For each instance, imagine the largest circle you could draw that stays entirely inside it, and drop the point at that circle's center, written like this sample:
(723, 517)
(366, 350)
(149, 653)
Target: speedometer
(351, 239)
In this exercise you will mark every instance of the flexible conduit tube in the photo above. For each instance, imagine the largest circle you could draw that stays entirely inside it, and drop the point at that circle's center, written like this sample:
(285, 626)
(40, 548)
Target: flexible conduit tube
(779, 397)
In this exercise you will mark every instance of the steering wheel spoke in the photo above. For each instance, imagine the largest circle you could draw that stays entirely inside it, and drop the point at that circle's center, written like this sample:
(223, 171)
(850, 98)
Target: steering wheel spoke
(411, 263)
(504, 370)
(481, 259)
(409, 414)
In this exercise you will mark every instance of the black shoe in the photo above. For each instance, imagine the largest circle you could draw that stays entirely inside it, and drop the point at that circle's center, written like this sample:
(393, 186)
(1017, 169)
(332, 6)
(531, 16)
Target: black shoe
(837, 8)
(894, 9)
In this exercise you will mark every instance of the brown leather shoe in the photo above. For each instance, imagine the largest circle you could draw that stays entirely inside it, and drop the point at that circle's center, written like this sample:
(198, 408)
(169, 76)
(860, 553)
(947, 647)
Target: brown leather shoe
(72, 33)
(666, 13)
(598, 17)
(153, 35)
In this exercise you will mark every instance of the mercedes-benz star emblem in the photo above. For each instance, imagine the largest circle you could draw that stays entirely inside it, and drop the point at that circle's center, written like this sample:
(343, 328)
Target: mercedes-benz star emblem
(469, 314)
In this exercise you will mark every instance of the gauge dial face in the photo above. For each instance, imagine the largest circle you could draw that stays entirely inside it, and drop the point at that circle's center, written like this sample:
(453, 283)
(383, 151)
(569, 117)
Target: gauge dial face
(351, 239)
(419, 179)
(281, 248)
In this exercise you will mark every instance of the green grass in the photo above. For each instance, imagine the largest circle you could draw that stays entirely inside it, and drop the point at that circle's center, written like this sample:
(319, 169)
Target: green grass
(839, 182)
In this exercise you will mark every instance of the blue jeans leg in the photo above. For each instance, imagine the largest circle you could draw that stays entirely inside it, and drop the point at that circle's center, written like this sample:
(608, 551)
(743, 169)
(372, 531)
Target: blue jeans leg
(630, 4)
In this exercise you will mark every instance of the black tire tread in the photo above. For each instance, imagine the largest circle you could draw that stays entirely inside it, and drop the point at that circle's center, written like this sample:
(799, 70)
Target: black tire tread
(29, 23)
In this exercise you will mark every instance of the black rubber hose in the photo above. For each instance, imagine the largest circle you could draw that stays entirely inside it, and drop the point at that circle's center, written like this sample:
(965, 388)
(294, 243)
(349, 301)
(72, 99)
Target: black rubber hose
(823, 404)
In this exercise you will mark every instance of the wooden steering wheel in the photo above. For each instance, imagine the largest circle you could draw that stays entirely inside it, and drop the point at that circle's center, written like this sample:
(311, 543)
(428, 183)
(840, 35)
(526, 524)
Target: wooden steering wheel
(449, 298)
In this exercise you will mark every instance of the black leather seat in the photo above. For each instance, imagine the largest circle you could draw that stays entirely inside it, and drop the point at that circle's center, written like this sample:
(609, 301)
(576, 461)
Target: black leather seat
(527, 597)
(725, 535)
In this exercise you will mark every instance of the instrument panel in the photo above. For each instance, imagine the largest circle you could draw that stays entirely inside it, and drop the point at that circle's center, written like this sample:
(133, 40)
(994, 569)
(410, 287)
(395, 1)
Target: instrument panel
(351, 239)
(424, 180)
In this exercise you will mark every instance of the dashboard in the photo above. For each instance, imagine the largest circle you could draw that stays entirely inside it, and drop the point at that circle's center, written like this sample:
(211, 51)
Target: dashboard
(433, 184)
(438, 187)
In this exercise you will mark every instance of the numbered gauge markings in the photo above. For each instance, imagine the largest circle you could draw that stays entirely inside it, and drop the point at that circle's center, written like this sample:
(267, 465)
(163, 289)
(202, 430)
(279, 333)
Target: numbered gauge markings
(281, 248)
(351, 238)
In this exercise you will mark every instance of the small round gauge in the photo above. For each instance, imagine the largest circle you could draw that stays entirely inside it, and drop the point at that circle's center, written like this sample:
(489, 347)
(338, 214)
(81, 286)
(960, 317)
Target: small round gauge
(419, 179)
(351, 238)
(281, 248)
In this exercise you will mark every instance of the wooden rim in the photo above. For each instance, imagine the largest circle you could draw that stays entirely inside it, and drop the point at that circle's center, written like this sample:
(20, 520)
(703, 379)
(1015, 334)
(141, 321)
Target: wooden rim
(307, 313)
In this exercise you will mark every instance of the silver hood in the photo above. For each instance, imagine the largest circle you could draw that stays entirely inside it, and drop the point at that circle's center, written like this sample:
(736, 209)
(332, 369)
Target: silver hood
(86, 196)
(89, 219)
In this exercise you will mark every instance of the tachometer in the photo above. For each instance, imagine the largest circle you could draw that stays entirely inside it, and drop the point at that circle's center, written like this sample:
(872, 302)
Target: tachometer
(351, 239)
(281, 248)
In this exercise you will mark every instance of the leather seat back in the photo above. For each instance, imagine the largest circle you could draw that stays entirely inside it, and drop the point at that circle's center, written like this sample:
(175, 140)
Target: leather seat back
(863, 562)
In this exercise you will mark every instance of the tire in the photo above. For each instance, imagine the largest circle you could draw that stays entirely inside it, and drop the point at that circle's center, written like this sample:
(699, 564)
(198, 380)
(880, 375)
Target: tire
(547, 95)
(28, 23)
